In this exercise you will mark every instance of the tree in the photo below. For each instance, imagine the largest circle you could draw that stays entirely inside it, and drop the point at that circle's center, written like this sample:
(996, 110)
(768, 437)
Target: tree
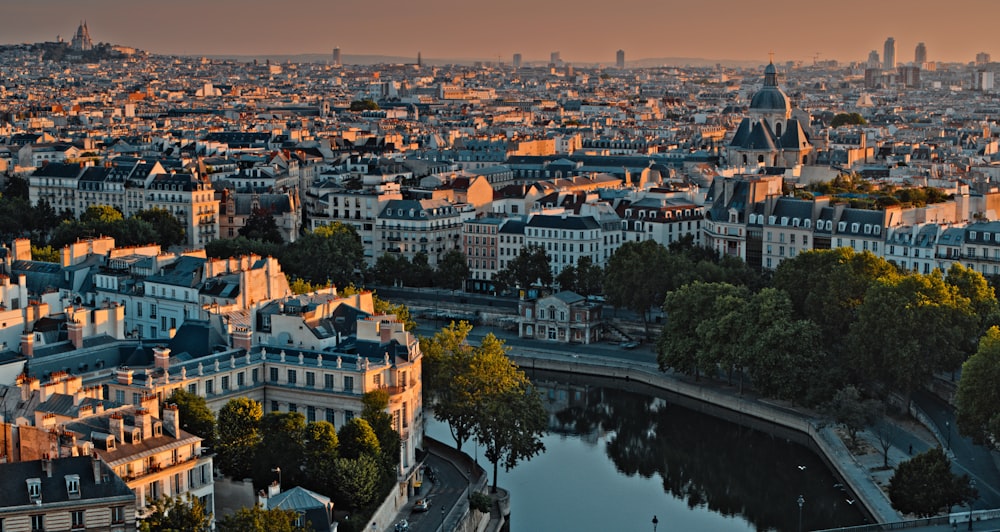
(637, 276)
(320, 449)
(680, 344)
(480, 502)
(589, 277)
(390, 269)
(447, 357)
(235, 247)
(355, 481)
(195, 415)
(978, 398)
(452, 270)
(281, 446)
(170, 230)
(567, 278)
(357, 438)
(239, 436)
(104, 214)
(510, 427)
(529, 269)
(45, 254)
(844, 119)
(848, 409)
(364, 105)
(924, 485)
(982, 298)
(330, 252)
(419, 274)
(260, 225)
(257, 519)
(173, 514)
(375, 411)
(16, 187)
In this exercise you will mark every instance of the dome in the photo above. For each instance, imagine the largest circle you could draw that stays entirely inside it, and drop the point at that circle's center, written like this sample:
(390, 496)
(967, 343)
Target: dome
(770, 98)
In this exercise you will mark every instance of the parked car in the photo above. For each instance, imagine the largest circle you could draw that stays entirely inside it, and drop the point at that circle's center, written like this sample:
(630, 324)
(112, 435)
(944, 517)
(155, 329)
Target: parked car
(422, 505)
(402, 526)
(629, 345)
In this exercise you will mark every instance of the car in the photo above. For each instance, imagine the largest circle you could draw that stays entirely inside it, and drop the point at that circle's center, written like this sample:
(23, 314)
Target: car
(422, 505)
(629, 345)
(402, 526)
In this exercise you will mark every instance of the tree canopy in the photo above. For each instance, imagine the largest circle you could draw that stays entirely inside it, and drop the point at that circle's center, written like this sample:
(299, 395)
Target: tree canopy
(529, 269)
(925, 486)
(978, 398)
(328, 253)
(848, 119)
(173, 514)
(239, 436)
(257, 519)
(195, 415)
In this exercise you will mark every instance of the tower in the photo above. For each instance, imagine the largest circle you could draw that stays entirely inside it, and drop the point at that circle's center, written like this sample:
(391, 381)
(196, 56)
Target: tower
(81, 40)
(336, 57)
(517, 61)
(920, 54)
(420, 61)
(554, 59)
(889, 54)
(873, 59)
(620, 60)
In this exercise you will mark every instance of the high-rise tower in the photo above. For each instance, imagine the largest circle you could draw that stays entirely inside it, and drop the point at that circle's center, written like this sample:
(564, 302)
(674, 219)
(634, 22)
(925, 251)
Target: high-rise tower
(920, 54)
(517, 61)
(889, 54)
(620, 60)
(336, 57)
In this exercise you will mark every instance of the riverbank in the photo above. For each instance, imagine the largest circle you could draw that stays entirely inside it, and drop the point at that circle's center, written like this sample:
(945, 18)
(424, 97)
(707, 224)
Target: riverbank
(823, 439)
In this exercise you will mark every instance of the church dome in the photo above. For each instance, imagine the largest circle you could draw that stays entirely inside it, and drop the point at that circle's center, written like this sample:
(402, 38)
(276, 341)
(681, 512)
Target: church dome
(770, 97)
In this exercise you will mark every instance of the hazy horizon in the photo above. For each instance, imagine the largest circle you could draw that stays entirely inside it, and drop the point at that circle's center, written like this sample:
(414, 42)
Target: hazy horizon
(583, 31)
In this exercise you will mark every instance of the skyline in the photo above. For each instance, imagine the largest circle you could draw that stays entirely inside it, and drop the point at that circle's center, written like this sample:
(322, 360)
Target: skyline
(447, 29)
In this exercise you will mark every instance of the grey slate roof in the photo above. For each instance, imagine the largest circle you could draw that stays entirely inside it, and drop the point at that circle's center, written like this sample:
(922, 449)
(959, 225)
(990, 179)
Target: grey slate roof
(14, 487)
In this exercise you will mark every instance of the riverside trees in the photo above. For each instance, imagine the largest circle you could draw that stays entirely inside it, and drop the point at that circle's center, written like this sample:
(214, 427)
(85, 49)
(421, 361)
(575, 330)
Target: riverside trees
(479, 391)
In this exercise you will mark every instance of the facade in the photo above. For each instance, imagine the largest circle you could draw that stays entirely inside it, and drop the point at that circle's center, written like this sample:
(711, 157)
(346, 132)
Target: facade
(409, 227)
(481, 245)
(620, 59)
(565, 317)
(889, 54)
(74, 493)
(357, 208)
(565, 239)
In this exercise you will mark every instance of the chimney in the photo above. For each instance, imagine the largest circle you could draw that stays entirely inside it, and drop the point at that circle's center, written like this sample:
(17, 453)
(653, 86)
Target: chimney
(47, 465)
(28, 344)
(124, 375)
(116, 426)
(172, 420)
(144, 422)
(75, 330)
(95, 462)
(161, 357)
(242, 338)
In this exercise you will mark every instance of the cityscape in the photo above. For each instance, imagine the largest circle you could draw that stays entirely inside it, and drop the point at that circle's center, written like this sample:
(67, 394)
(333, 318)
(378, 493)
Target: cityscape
(335, 284)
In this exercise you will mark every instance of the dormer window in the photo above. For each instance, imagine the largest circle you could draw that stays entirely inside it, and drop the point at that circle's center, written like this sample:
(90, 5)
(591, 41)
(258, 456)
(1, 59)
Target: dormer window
(771, 219)
(158, 429)
(73, 486)
(34, 488)
(784, 220)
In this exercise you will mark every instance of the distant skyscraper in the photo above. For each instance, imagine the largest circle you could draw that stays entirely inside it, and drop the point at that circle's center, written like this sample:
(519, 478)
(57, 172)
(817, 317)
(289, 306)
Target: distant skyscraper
(517, 61)
(336, 57)
(620, 59)
(982, 58)
(873, 60)
(920, 55)
(889, 54)
(420, 60)
(554, 58)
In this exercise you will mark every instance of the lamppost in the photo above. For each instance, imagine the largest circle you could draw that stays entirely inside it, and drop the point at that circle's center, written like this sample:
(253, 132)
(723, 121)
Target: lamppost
(801, 500)
(278, 471)
(972, 483)
(655, 522)
(947, 426)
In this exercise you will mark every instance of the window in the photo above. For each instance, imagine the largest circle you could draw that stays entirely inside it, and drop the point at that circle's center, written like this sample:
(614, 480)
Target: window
(120, 396)
(328, 382)
(37, 523)
(329, 416)
(73, 485)
(348, 415)
(225, 383)
(34, 488)
(255, 376)
(152, 310)
(193, 388)
(209, 386)
(310, 379)
(274, 374)
(311, 414)
(241, 379)
(274, 406)
(292, 407)
(77, 519)
(117, 514)
(348, 384)
(292, 376)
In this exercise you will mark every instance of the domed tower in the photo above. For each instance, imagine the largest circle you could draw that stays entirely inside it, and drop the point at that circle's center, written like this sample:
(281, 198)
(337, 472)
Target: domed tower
(770, 102)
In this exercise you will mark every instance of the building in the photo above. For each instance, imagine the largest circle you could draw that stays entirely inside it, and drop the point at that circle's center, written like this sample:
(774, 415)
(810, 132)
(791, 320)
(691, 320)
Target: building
(873, 60)
(81, 41)
(517, 61)
(555, 59)
(620, 59)
(480, 243)
(565, 317)
(566, 238)
(983, 59)
(336, 57)
(889, 54)
(74, 493)
(920, 55)
(409, 227)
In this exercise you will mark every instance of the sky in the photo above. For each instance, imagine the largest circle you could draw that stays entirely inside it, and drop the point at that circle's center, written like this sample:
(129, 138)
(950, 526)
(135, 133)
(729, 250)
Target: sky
(583, 31)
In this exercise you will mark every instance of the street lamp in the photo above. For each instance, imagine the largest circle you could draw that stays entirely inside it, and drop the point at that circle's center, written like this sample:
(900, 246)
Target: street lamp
(972, 483)
(947, 426)
(801, 500)
(655, 522)
(278, 471)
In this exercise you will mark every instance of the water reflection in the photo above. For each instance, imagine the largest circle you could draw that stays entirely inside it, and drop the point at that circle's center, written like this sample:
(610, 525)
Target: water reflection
(702, 460)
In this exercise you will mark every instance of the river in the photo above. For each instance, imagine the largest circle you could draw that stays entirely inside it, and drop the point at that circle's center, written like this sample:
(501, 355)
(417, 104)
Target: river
(614, 459)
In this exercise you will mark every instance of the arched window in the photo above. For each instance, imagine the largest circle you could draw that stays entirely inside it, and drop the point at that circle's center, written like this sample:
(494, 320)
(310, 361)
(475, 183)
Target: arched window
(777, 129)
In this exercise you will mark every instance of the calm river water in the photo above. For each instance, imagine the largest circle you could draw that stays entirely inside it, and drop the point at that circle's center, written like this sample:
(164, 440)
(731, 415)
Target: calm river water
(616, 458)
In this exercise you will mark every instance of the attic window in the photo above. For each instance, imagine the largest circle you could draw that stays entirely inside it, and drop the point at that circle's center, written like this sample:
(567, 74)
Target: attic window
(842, 226)
(854, 227)
(34, 488)
(753, 218)
(972, 235)
(868, 229)
(73, 485)
(772, 219)
(784, 220)
(796, 222)
(878, 229)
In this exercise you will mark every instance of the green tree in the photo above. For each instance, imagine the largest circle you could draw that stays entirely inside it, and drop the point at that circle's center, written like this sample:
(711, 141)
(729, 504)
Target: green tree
(982, 298)
(567, 278)
(529, 269)
(320, 449)
(845, 119)
(257, 519)
(978, 398)
(355, 481)
(589, 277)
(239, 246)
(452, 270)
(328, 253)
(420, 273)
(104, 214)
(176, 514)
(390, 269)
(680, 344)
(850, 410)
(357, 438)
(260, 225)
(637, 277)
(447, 358)
(45, 254)
(195, 415)
(239, 436)
(364, 105)
(282, 446)
(170, 231)
(16, 187)
(925, 486)
(375, 411)
(511, 425)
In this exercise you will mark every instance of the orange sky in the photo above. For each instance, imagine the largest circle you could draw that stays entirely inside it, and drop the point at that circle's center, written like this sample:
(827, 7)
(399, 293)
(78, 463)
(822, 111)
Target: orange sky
(582, 30)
